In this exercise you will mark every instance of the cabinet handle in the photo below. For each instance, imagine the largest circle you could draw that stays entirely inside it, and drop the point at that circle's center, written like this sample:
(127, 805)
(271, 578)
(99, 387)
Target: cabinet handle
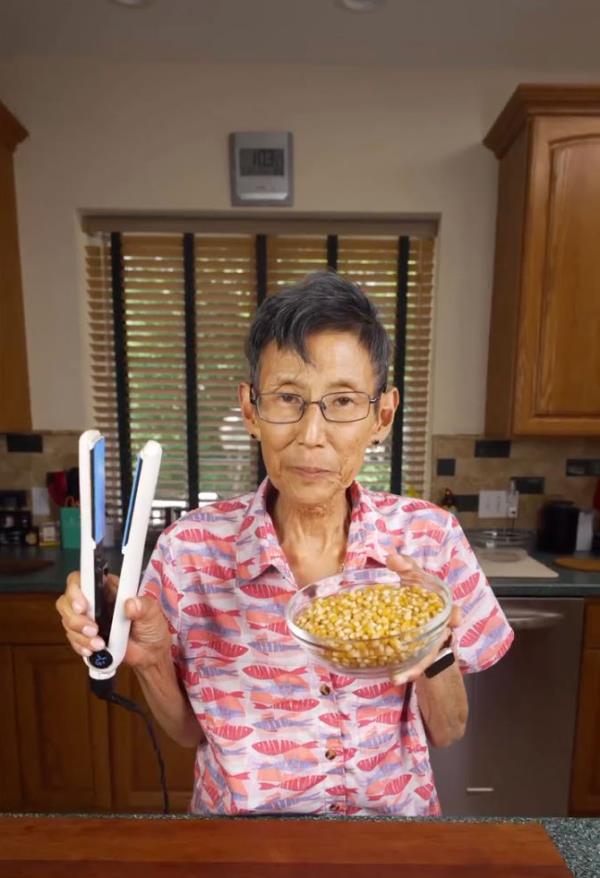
(533, 619)
(479, 790)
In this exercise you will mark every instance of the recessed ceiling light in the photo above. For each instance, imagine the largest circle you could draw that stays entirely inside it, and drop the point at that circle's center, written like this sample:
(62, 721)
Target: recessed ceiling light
(360, 5)
(133, 4)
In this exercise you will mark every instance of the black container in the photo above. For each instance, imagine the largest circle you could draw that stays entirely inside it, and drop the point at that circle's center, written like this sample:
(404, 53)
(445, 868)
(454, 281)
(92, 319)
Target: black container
(558, 527)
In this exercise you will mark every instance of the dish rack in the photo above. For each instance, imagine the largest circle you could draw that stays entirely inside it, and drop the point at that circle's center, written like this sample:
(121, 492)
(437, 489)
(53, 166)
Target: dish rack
(502, 544)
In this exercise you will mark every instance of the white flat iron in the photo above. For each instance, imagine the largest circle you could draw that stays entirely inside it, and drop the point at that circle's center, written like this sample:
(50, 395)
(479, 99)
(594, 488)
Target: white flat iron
(106, 609)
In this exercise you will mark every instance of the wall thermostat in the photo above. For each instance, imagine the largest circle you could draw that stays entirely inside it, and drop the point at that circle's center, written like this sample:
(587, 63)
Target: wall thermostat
(261, 167)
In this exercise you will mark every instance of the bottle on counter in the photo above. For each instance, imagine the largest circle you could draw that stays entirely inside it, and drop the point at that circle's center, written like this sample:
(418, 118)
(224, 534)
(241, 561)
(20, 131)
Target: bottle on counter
(448, 501)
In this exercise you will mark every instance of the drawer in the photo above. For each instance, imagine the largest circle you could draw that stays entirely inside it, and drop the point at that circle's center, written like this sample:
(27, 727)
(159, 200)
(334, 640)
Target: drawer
(592, 624)
(30, 619)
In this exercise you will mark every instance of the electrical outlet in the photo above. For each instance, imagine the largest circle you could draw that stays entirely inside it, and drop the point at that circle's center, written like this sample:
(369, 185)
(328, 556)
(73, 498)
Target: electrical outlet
(493, 504)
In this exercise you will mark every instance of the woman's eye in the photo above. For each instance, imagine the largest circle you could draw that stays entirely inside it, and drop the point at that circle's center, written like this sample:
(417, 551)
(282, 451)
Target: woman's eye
(343, 401)
(288, 398)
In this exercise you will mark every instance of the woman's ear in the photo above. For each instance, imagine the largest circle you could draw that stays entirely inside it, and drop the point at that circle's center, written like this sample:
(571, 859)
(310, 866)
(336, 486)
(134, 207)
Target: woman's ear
(248, 410)
(388, 404)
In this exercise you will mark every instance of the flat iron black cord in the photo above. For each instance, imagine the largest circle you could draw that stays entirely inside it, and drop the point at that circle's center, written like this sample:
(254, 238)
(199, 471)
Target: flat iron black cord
(128, 704)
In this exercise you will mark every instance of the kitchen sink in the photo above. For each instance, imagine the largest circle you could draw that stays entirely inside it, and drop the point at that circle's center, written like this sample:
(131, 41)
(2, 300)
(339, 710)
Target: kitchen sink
(22, 566)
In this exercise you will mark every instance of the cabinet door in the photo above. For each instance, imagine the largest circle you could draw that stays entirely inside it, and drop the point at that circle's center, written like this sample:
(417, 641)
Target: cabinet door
(63, 732)
(15, 411)
(10, 787)
(558, 375)
(585, 788)
(135, 772)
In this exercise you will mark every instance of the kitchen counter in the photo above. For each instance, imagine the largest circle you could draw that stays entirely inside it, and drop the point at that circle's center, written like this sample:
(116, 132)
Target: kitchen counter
(291, 847)
(570, 583)
(51, 578)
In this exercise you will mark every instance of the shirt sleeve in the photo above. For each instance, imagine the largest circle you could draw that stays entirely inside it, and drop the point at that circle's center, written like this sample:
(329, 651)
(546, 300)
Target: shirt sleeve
(159, 582)
(483, 635)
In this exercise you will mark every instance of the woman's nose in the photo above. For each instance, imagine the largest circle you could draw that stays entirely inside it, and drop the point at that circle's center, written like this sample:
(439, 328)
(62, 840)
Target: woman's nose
(311, 427)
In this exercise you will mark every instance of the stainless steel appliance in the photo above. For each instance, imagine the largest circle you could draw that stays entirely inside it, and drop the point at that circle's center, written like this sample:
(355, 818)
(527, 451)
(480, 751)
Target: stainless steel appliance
(515, 758)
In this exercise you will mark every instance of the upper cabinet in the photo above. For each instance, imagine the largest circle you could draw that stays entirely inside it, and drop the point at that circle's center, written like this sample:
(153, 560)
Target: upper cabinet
(15, 410)
(544, 354)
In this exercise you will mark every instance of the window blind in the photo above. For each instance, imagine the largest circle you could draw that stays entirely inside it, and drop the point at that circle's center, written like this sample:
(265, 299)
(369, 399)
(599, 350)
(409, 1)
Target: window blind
(102, 362)
(225, 306)
(224, 274)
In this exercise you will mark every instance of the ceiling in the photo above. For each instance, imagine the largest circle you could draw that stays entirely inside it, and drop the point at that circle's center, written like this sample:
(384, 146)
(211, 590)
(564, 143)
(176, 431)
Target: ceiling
(553, 34)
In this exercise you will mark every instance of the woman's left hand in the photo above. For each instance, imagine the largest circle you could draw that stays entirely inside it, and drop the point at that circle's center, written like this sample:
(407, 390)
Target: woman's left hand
(405, 566)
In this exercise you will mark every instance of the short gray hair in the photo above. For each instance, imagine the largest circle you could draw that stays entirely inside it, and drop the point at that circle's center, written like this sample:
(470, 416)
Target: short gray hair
(321, 301)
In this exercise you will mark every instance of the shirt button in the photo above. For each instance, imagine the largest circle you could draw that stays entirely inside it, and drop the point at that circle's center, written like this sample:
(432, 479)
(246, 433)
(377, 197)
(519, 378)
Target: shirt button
(330, 754)
(325, 689)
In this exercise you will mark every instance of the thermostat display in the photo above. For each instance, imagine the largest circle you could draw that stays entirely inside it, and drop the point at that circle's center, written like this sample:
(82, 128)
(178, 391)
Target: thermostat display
(262, 162)
(261, 168)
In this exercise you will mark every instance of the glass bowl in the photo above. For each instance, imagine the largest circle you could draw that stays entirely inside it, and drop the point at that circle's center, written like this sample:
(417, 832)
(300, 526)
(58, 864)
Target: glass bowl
(501, 544)
(399, 650)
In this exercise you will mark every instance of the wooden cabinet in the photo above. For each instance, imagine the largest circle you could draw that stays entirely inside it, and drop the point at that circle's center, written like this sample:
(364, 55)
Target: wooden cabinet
(15, 412)
(62, 732)
(61, 748)
(11, 792)
(585, 786)
(134, 766)
(544, 356)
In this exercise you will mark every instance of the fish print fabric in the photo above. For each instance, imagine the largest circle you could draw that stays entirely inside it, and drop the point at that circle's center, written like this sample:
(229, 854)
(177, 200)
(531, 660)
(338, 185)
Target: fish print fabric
(282, 733)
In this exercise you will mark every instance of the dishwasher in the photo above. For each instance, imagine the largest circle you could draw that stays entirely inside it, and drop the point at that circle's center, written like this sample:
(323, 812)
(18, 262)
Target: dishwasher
(515, 757)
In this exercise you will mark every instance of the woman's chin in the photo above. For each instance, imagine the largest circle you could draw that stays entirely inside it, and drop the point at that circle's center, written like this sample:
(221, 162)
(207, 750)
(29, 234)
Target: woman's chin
(311, 491)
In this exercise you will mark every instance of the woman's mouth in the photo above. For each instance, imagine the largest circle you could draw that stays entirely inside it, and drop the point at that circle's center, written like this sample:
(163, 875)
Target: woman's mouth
(310, 472)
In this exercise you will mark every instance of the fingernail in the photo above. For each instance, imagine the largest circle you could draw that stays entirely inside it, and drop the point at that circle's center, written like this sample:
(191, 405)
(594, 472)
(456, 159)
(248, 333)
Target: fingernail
(90, 630)
(86, 652)
(97, 643)
(77, 607)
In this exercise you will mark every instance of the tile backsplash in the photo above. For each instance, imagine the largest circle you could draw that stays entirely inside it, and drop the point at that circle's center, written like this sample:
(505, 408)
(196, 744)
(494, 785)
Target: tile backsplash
(545, 468)
(27, 468)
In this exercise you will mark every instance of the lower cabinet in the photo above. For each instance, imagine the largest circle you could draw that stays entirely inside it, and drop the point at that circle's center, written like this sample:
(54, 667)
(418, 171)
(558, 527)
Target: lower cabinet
(135, 772)
(11, 790)
(585, 785)
(62, 732)
(61, 748)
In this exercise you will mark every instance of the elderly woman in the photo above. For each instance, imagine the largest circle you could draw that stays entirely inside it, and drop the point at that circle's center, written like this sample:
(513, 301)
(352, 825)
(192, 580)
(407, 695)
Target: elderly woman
(274, 730)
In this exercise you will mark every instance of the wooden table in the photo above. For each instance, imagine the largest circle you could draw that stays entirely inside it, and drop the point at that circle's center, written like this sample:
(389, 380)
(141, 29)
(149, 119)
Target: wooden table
(64, 847)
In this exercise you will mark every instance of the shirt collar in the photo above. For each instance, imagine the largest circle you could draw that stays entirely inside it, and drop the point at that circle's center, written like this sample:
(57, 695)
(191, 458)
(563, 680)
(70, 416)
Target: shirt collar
(257, 545)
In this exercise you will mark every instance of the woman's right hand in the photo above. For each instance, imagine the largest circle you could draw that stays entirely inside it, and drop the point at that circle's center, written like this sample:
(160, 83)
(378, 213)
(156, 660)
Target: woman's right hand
(149, 640)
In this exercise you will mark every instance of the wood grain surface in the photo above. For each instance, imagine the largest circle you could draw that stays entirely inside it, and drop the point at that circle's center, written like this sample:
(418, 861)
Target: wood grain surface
(263, 848)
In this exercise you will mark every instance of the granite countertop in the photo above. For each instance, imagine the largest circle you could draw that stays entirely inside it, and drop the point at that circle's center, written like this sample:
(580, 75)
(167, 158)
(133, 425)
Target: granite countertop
(570, 583)
(51, 578)
(576, 838)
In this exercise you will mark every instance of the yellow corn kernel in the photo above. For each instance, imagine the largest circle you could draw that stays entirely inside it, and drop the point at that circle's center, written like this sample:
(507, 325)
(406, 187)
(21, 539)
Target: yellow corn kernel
(367, 627)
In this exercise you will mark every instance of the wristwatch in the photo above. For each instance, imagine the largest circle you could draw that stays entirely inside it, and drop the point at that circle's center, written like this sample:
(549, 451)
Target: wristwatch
(445, 658)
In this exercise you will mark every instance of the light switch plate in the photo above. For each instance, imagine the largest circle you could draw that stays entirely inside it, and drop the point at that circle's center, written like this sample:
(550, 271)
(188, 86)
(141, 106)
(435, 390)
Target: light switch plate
(40, 507)
(493, 504)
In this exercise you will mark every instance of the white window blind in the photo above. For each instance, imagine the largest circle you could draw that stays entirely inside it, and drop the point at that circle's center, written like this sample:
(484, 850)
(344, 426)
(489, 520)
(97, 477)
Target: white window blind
(225, 305)
(224, 293)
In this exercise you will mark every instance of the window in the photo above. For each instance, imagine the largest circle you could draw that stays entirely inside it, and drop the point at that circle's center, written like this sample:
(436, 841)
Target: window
(168, 315)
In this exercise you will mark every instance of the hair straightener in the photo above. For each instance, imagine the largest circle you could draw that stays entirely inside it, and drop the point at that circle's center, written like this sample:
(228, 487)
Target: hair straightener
(106, 607)
(108, 611)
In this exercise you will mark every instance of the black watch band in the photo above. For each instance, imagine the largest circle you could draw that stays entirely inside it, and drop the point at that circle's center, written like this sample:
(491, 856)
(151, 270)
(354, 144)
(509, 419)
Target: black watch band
(445, 658)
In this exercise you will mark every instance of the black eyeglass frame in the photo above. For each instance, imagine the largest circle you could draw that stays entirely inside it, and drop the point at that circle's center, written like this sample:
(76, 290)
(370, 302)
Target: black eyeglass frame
(254, 399)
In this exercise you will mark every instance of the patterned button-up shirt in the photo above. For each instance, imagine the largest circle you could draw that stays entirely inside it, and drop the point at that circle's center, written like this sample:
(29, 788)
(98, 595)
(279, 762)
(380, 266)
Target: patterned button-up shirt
(282, 733)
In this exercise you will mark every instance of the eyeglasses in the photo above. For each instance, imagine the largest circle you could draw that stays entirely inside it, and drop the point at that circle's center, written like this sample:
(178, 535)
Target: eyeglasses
(344, 407)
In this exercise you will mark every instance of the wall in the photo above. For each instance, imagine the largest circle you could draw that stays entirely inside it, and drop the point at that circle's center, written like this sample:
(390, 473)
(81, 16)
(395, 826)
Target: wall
(545, 468)
(153, 137)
